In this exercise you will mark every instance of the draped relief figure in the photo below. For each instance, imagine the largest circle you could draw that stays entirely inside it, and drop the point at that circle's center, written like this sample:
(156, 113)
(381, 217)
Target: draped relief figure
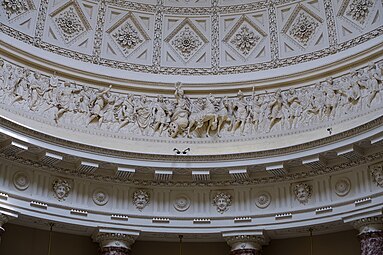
(142, 111)
(160, 114)
(125, 111)
(240, 108)
(374, 85)
(180, 116)
(97, 104)
(66, 102)
(64, 99)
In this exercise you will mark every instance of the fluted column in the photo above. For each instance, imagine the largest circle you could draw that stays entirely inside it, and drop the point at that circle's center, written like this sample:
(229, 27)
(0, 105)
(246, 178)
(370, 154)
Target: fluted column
(3, 220)
(245, 244)
(114, 243)
(370, 235)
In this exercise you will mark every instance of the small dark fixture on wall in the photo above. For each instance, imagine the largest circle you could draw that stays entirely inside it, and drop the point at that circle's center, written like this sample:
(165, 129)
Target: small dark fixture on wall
(184, 152)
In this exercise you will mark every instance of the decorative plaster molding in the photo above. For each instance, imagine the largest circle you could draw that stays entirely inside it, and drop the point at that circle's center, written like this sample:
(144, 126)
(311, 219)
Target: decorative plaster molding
(353, 12)
(114, 239)
(369, 224)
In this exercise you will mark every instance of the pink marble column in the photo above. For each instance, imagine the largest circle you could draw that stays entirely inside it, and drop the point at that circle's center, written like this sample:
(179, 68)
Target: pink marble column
(370, 235)
(114, 243)
(114, 251)
(245, 244)
(245, 252)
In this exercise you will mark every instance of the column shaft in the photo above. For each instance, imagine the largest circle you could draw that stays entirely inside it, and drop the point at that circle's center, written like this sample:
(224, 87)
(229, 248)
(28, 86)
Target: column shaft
(371, 243)
(114, 251)
(245, 252)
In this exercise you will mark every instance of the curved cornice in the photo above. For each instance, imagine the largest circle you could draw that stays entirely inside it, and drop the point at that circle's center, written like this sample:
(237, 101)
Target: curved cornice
(293, 75)
(350, 193)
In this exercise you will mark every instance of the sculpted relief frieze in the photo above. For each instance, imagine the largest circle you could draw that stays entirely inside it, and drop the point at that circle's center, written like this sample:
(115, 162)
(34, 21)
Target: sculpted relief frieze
(67, 104)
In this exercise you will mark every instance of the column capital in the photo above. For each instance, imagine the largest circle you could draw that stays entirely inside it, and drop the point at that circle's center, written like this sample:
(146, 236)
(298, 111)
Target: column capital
(368, 224)
(246, 242)
(3, 219)
(114, 239)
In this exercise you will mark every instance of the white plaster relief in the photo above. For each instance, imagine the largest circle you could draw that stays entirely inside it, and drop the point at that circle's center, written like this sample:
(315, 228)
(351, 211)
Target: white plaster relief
(61, 189)
(243, 116)
(21, 180)
(355, 17)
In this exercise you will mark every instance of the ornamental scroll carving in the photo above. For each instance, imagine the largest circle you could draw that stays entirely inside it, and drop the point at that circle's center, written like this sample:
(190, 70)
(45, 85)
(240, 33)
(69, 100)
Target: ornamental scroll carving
(64, 103)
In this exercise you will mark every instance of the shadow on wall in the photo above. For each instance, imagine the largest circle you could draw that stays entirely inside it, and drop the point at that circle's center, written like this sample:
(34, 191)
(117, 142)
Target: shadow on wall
(340, 243)
(19, 240)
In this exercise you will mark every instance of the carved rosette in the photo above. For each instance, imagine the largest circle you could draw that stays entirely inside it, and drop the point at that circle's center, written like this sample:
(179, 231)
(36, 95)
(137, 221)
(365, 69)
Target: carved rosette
(181, 203)
(21, 181)
(127, 37)
(15, 7)
(69, 23)
(370, 235)
(100, 197)
(304, 28)
(359, 10)
(263, 199)
(187, 41)
(245, 40)
(342, 187)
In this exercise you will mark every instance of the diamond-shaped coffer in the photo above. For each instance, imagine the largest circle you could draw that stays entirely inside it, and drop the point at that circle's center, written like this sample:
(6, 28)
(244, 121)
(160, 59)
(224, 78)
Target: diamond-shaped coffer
(186, 40)
(244, 36)
(356, 11)
(15, 8)
(302, 25)
(70, 21)
(128, 34)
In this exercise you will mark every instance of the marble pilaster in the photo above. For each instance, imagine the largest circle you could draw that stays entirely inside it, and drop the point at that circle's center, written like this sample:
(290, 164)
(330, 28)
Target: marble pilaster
(370, 235)
(114, 243)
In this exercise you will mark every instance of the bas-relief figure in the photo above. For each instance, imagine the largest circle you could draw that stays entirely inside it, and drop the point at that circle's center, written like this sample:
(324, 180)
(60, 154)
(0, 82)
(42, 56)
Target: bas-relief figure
(262, 112)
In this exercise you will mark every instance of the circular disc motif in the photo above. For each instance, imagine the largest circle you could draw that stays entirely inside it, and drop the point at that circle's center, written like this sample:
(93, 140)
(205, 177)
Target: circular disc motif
(21, 181)
(182, 203)
(263, 199)
(342, 187)
(100, 197)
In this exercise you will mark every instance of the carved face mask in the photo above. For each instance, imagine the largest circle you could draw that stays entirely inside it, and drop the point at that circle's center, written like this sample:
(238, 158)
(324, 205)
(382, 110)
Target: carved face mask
(301, 194)
(378, 175)
(60, 191)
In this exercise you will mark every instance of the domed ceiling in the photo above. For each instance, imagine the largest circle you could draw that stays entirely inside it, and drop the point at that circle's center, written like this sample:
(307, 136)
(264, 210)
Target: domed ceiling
(192, 37)
(189, 100)
(105, 73)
